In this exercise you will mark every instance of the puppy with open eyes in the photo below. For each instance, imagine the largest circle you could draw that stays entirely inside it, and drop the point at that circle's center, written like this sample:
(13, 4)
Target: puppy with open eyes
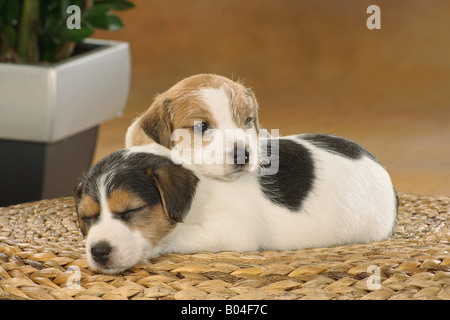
(209, 108)
(136, 203)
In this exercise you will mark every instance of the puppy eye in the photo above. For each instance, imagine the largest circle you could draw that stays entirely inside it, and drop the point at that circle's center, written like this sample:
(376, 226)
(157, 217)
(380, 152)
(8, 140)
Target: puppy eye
(248, 122)
(200, 127)
(90, 220)
(128, 214)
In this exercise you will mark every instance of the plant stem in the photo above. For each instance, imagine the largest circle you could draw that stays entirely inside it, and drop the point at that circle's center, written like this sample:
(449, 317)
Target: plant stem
(27, 47)
(7, 53)
(87, 5)
(24, 31)
(35, 35)
(65, 51)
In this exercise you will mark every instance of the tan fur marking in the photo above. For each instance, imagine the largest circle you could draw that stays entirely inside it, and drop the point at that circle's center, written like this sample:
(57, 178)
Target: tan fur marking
(120, 201)
(151, 175)
(88, 207)
(156, 122)
(241, 106)
(180, 106)
(153, 223)
(136, 136)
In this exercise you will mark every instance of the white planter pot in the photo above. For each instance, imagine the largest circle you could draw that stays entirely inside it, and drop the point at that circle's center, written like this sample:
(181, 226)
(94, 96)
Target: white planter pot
(50, 103)
(49, 117)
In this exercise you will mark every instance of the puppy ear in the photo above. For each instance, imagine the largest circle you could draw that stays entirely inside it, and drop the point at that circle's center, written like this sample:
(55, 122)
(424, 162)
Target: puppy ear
(77, 193)
(156, 122)
(176, 186)
(251, 96)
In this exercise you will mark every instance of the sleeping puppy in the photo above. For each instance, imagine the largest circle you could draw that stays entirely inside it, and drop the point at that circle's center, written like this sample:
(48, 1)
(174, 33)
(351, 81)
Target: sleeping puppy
(206, 117)
(136, 203)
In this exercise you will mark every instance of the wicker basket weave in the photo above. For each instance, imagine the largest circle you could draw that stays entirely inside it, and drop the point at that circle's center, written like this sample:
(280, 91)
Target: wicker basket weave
(42, 257)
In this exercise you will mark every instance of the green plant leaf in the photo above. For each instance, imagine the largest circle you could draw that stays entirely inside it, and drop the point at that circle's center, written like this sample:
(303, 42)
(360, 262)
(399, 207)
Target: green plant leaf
(118, 5)
(51, 23)
(76, 35)
(50, 50)
(32, 26)
(102, 8)
(106, 21)
(9, 11)
(96, 10)
(11, 36)
(64, 4)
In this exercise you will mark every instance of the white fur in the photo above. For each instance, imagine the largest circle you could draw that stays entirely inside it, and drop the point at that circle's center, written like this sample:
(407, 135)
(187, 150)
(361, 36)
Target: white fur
(128, 247)
(217, 101)
(352, 201)
(132, 130)
(222, 137)
(227, 130)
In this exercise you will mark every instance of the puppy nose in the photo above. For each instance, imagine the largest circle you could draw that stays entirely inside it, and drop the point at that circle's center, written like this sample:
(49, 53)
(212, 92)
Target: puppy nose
(241, 156)
(100, 252)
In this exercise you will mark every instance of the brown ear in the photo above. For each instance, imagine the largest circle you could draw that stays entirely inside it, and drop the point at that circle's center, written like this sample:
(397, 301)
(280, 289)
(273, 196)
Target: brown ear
(176, 186)
(156, 122)
(77, 192)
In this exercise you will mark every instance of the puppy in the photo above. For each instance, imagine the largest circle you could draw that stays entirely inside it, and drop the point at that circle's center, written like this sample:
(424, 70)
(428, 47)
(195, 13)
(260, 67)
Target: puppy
(136, 203)
(212, 121)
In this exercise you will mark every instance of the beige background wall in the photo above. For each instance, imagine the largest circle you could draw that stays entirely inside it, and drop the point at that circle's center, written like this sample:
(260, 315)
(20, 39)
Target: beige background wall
(314, 66)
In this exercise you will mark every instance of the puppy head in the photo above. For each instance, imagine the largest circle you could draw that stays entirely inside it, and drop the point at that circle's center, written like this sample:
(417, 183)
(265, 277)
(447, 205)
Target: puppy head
(127, 203)
(210, 121)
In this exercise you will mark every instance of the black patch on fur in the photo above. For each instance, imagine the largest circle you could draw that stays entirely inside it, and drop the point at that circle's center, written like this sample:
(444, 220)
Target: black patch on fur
(129, 174)
(338, 145)
(293, 181)
(90, 182)
(397, 202)
(177, 187)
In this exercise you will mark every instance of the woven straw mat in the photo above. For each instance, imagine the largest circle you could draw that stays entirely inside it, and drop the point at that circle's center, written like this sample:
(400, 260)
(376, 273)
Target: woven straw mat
(42, 257)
